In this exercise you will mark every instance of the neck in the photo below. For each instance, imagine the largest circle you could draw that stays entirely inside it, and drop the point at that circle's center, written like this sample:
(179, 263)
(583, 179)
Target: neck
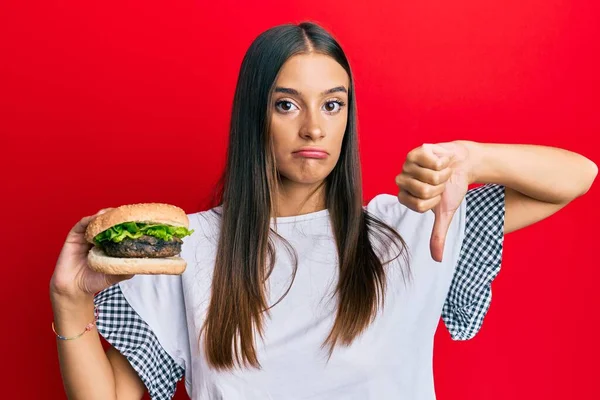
(297, 199)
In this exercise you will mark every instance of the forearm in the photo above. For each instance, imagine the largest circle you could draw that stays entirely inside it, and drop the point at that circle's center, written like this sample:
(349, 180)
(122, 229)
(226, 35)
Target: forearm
(547, 174)
(86, 371)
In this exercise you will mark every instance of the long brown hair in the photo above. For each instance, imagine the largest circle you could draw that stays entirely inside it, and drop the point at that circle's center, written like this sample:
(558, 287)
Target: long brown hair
(245, 255)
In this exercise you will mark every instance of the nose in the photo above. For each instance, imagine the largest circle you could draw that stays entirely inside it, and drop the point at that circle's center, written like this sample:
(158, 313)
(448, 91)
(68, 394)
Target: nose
(311, 129)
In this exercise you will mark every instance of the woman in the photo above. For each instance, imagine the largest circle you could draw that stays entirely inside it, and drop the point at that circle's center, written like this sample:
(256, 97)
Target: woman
(293, 288)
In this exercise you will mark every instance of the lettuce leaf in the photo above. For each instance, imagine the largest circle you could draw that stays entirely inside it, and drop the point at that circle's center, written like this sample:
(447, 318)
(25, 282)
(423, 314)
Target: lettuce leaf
(135, 230)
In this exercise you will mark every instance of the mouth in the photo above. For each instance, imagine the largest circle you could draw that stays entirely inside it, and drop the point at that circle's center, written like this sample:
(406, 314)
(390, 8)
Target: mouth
(311, 152)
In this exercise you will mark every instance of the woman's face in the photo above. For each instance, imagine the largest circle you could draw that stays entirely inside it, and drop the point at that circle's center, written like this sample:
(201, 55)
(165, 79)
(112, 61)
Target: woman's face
(309, 117)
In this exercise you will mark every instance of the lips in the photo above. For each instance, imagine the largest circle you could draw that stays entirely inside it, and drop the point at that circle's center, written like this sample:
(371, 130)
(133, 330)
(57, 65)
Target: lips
(311, 152)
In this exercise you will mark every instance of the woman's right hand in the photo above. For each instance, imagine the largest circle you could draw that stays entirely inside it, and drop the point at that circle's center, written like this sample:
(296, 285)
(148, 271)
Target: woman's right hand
(87, 370)
(72, 278)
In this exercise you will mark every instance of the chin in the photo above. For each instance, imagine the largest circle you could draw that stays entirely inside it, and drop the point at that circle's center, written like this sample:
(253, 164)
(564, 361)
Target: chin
(306, 173)
(308, 182)
(303, 179)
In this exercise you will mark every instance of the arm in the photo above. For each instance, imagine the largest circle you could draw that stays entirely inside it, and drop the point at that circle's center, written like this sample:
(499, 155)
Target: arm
(539, 180)
(128, 384)
(87, 371)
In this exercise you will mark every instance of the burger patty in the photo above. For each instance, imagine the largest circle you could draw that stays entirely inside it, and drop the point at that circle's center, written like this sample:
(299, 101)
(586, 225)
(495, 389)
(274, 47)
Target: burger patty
(143, 247)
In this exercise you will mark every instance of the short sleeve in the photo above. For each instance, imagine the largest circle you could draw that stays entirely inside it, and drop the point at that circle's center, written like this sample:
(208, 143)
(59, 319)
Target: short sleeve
(144, 319)
(479, 261)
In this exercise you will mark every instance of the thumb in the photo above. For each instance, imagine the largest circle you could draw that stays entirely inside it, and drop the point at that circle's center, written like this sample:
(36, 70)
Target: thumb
(438, 235)
(112, 279)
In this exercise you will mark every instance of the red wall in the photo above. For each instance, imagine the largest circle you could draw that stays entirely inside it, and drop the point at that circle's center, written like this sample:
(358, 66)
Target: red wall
(105, 103)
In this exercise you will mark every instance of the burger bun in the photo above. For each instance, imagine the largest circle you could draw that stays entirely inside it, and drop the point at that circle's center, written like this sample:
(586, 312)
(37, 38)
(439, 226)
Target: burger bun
(150, 213)
(100, 262)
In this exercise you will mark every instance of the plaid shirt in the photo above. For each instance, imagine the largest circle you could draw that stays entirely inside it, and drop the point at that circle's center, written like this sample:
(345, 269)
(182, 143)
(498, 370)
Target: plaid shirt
(466, 304)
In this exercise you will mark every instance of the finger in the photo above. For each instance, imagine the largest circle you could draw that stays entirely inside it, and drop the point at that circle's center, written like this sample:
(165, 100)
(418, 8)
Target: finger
(112, 279)
(438, 235)
(427, 175)
(81, 226)
(426, 157)
(419, 189)
(438, 149)
(416, 204)
(98, 281)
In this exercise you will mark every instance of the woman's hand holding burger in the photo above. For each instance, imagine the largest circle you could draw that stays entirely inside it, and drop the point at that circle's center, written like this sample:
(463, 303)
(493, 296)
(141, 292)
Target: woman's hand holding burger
(72, 278)
(73, 283)
(111, 246)
(101, 250)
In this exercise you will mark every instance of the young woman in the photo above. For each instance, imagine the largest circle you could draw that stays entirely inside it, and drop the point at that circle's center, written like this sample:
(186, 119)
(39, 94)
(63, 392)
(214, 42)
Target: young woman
(294, 289)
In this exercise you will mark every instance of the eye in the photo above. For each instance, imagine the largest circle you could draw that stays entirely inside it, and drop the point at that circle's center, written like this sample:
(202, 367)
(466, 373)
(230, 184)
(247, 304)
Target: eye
(285, 106)
(333, 106)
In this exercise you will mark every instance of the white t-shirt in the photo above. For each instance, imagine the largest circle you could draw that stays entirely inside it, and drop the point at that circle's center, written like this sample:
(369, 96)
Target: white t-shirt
(155, 320)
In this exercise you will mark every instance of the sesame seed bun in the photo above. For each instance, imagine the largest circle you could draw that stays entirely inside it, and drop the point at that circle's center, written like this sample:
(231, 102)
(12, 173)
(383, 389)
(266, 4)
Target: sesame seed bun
(155, 213)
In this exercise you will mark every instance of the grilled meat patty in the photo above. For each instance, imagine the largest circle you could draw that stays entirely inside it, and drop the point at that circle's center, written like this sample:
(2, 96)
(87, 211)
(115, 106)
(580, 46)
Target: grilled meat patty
(144, 247)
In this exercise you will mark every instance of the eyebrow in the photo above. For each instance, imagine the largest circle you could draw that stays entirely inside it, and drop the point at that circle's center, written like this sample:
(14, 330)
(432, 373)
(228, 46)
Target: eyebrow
(294, 92)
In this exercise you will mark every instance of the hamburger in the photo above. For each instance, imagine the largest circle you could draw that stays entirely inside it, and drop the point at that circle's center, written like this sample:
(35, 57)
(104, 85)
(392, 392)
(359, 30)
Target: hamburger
(141, 238)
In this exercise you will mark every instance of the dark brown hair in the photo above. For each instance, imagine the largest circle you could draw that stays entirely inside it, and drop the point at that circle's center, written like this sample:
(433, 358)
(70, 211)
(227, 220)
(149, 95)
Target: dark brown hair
(245, 255)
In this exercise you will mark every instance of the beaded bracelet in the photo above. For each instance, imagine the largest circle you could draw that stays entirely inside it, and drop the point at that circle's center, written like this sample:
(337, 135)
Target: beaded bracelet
(88, 328)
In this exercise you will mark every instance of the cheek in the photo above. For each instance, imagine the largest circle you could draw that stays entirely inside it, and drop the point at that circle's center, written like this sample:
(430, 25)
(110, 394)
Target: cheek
(283, 134)
(281, 147)
(337, 131)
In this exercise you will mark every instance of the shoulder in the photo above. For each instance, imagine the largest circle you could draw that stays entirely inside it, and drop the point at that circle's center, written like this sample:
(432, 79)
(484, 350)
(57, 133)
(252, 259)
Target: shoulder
(388, 209)
(386, 206)
(199, 249)
(203, 220)
(205, 226)
(149, 330)
(384, 203)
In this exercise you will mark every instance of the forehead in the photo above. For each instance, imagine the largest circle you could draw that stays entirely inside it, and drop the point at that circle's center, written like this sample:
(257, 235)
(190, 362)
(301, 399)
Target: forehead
(312, 72)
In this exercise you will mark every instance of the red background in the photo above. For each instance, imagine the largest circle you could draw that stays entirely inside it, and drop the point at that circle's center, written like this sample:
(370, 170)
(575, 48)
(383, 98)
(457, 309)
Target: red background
(105, 103)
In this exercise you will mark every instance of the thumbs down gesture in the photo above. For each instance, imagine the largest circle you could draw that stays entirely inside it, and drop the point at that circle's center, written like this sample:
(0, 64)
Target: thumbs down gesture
(436, 177)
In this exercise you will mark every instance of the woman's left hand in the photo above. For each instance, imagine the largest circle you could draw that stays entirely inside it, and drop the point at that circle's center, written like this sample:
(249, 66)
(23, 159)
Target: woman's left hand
(436, 177)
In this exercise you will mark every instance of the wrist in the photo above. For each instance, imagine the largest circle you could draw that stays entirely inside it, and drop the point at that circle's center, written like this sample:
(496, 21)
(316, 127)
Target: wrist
(67, 290)
(72, 316)
(478, 165)
(70, 300)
